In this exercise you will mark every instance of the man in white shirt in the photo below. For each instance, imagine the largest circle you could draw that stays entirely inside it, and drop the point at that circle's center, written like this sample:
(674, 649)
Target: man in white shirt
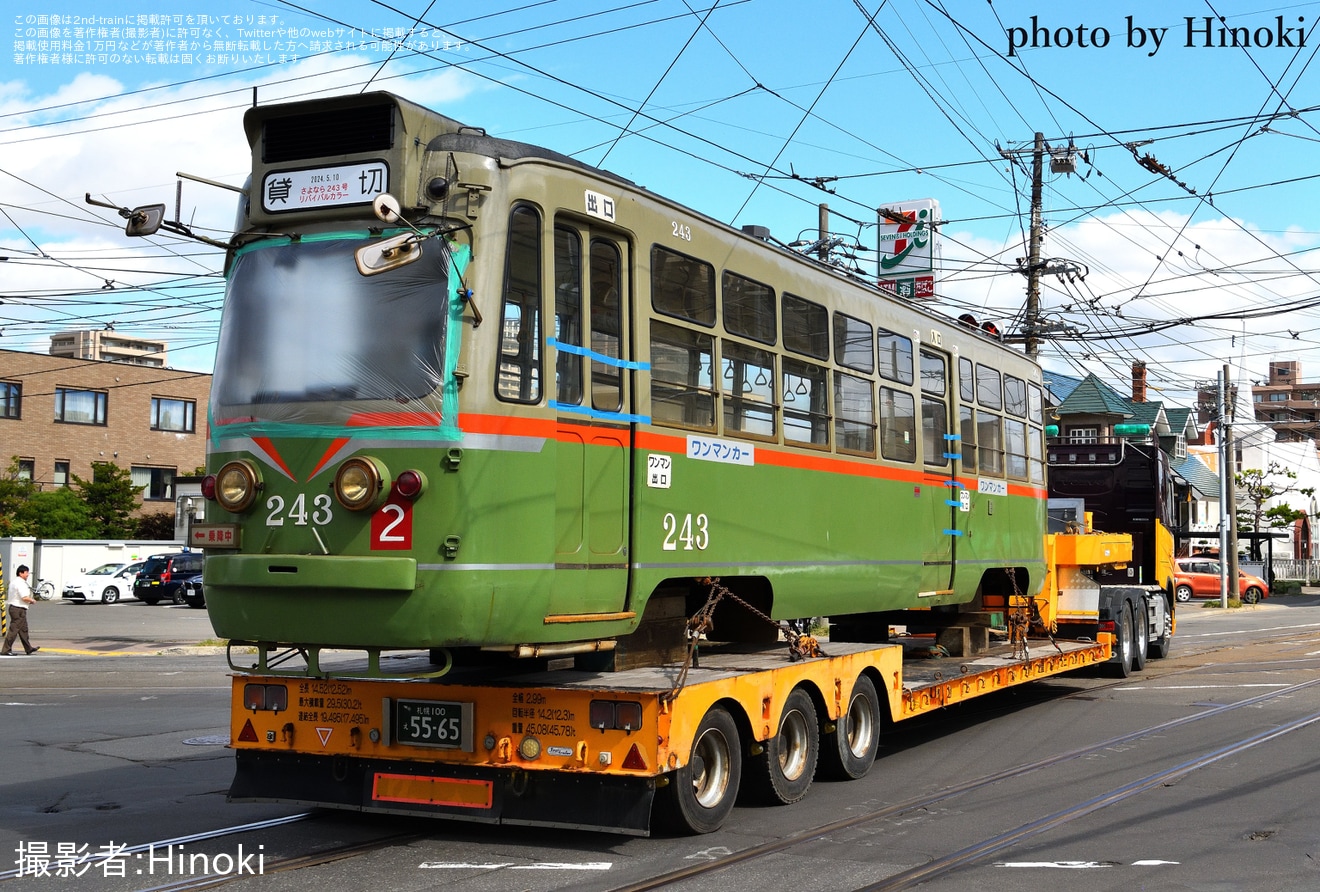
(17, 598)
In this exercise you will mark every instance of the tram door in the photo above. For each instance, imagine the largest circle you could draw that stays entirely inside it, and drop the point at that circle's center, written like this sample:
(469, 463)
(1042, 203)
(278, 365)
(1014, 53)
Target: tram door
(939, 549)
(593, 413)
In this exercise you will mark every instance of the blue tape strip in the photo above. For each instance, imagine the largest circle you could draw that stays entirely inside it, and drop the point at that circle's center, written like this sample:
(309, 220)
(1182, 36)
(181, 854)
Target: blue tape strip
(957, 455)
(953, 503)
(953, 436)
(599, 357)
(603, 416)
(953, 532)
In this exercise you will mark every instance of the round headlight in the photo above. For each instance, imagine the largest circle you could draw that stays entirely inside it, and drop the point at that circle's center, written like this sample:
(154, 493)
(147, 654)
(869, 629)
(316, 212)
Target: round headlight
(360, 484)
(236, 486)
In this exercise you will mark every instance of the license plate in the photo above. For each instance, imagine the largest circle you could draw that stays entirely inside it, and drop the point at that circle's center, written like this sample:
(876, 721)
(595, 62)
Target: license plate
(433, 723)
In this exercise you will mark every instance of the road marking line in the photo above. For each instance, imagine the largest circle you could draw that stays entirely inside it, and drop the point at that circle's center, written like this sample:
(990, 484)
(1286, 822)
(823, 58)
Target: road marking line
(546, 865)
(1195, 687)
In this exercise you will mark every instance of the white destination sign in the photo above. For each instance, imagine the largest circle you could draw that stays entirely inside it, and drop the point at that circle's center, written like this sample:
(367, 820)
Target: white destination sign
(711, 449)
(298, 190)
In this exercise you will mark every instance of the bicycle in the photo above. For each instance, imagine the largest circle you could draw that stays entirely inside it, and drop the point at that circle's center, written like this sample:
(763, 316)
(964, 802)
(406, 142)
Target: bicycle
(43, 590)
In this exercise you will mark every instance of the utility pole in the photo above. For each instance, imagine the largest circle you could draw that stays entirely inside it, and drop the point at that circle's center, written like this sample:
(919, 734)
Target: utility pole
(823, 231)
(1032, 322)
(1230, 560)
(1225, 491)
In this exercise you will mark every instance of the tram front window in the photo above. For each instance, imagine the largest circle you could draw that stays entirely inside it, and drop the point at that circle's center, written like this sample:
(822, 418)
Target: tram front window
(301, 326)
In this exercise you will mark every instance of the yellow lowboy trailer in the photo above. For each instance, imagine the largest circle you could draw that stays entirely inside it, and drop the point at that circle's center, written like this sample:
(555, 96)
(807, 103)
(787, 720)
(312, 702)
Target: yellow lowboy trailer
(670, 745)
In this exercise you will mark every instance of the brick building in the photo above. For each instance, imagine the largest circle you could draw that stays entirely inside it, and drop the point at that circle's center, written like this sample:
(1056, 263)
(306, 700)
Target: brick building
(1289, 405)
(60, 414)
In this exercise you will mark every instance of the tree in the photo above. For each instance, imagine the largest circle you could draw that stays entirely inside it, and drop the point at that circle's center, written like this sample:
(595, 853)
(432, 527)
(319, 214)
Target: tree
(15, 492)
(111, 498)
(1256, 489)
(58, 514)
(156, 526)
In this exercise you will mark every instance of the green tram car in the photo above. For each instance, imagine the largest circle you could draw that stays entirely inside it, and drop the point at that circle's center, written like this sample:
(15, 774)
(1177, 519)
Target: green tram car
(530, 406)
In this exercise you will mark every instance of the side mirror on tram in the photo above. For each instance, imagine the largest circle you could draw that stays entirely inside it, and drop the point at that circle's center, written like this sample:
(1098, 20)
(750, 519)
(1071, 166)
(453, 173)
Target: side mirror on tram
(388, 254)
(395, 251)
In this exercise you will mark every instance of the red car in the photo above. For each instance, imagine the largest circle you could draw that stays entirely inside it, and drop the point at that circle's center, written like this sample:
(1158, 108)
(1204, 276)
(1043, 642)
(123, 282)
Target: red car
(1199, 577)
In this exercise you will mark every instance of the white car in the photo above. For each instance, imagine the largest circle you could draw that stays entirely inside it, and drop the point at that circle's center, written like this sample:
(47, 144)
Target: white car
(107, 583)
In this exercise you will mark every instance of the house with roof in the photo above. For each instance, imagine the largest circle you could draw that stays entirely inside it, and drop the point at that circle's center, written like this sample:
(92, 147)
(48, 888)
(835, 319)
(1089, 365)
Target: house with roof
(1093, 413)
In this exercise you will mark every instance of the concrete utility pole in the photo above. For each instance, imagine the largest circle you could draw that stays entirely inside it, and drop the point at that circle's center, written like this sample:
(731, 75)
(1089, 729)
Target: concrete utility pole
(1230, 560)
(1032, 322)
(1228, 542)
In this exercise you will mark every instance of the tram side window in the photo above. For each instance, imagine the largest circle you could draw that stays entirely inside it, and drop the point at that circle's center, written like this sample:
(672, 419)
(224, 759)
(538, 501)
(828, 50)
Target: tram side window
(682, 393)
(967, 428)
(519, 377)
(898, 425)
(966, 380)
(749, 308)
(933, 373)
(854, 414)
(1036, 454)
(749, 390)
(1015, 396)
(989, 442)
(988, 392)
(1035, 404)
(895, 356)
(806, 404)
(852, 343)
(1015, 447)
(806, 327)
(568, 316)
(682, 286)
(934, 426)
(606, 323)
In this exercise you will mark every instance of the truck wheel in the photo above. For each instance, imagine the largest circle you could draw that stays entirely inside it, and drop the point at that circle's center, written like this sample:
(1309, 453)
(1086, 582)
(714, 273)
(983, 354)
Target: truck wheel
(849, 751)
(1121, 666)
(785, 768)
(1161, 649)
(701, 794)
(1140, 635)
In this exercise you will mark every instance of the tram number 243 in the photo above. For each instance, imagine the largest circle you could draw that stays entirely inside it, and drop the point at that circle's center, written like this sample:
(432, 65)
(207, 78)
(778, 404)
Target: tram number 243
(688, 532)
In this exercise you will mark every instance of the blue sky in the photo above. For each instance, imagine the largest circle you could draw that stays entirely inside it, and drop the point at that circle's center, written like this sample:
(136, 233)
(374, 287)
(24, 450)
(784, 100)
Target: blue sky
(1193, 206)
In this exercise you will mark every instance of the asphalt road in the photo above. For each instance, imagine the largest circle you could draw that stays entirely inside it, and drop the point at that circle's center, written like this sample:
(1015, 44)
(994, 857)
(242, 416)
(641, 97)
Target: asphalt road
(114, 734)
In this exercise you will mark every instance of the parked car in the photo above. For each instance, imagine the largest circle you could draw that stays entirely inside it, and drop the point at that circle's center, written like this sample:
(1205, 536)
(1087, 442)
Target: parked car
(107, 583)
(190, 590)
(1198, 577)
(162, 576)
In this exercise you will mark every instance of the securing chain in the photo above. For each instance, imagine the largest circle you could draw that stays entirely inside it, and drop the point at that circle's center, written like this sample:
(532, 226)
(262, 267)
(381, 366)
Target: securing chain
(801, 645)
(1021, 618)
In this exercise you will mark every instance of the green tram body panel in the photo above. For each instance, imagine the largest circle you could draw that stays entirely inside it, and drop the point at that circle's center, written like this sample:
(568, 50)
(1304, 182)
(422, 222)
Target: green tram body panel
(542, 522)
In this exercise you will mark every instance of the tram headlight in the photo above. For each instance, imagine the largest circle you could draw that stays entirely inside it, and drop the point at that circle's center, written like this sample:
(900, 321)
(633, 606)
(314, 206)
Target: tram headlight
(236, 486)
(361, 483)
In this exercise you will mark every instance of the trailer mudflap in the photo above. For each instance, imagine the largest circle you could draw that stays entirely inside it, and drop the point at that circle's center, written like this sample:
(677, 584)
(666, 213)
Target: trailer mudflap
(611, 803)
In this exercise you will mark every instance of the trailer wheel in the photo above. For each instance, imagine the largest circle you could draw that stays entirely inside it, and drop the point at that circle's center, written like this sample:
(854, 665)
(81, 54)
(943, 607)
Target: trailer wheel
(1140, 635)
(701, 794)
(849, 752)
(785, 768)
(1122, 665)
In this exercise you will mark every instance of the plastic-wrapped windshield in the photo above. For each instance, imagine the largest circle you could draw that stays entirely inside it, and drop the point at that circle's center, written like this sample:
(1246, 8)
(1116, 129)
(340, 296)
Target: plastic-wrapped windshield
(301, 326)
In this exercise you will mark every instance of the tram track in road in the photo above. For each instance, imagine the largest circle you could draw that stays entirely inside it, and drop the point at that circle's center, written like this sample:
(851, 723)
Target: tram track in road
(976, 852)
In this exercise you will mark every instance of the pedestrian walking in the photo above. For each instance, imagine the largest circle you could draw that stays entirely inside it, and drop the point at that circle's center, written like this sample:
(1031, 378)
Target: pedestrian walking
(18, 596)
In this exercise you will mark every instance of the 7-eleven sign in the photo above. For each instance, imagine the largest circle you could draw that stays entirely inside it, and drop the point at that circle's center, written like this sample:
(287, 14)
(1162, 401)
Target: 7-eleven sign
(909, 239)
